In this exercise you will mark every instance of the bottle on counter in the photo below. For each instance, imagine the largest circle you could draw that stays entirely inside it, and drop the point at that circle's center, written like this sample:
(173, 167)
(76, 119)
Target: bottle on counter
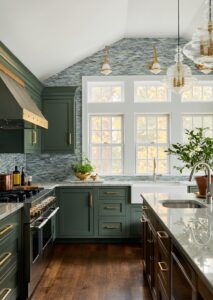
(16, 177)
(23, 177)
(29, 180)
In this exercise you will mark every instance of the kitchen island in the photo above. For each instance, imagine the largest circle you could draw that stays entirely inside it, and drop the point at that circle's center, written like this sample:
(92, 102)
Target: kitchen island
(178, 246)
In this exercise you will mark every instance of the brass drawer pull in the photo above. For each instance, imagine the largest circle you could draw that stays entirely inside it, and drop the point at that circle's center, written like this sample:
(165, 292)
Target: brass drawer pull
(6, 229)
(111, 193)
(163, 266)
(143, 220)
(6, 256)
(111, 227)
(34, 135)
(70, 138)
(90, 200)
(4, 293)
(111, 207)
(144, 207)
(162, 235)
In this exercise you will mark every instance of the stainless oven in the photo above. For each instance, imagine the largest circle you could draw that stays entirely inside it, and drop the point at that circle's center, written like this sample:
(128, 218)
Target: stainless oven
(39, 237)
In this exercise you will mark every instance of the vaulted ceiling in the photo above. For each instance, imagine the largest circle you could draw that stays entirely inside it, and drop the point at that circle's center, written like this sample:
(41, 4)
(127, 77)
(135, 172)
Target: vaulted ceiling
(48, 36)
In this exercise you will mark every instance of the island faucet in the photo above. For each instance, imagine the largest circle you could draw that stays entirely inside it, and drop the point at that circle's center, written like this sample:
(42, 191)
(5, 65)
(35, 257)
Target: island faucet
(208, 191)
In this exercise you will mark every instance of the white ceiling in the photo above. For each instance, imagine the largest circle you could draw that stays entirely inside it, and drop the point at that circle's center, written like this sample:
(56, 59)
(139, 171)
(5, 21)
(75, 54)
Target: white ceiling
(50, 35)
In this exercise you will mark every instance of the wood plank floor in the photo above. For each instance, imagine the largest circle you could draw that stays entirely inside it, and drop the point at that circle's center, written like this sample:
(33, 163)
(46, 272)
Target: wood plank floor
(94, 272)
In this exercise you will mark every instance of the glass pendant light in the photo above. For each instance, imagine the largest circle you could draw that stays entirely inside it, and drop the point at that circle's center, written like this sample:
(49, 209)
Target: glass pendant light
(200, 48)
(106, 69)
(155, 67)
(179, 75)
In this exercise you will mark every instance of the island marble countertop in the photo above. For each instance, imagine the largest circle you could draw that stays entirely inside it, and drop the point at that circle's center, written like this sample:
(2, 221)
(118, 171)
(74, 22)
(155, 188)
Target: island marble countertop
(8, 208)
(192, 228)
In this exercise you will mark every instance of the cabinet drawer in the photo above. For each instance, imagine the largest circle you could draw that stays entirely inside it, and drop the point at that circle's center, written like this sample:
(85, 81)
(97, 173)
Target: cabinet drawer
(9, 285)
(112, 227)
(163, 238)
(163, 265)
(112, 208)
(8, 226)
(112, 193)
(8, 255)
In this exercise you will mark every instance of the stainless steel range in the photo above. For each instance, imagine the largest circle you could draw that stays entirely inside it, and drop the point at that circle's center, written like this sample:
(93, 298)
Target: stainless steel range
(38, 232)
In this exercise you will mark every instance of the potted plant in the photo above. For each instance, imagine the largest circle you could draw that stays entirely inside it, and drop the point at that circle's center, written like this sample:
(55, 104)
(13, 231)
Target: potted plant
(83, 168)
(199, 148)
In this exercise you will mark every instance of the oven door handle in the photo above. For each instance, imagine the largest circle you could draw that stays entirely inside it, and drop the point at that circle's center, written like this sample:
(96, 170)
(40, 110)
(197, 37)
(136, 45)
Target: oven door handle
(53, 213)
(40, 225)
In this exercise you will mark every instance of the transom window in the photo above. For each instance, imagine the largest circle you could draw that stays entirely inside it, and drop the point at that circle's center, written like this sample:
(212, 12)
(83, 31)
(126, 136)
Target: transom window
(145, 92)
(106, 143)
(105, 92)
(151, 143)
(200, 93)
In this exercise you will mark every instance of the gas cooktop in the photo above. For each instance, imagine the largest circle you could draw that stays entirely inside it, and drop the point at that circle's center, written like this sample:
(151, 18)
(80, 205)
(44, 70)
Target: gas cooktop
(20, 195)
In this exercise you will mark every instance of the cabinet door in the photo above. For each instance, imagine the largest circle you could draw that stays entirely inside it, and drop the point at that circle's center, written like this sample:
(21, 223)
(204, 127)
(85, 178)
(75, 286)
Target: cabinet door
(58, 108)
(135, 223)
(32, 140)
(75, 218)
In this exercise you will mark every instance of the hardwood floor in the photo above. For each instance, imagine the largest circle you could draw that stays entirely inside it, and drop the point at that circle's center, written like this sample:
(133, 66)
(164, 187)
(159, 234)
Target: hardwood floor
(94, 272)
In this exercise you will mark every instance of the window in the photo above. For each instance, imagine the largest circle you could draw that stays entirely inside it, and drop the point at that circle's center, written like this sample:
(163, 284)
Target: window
(145, 92)
(151, 143)
(106, 143)
(127, 121)
(105, 92)
(200, 93)
(192, 122)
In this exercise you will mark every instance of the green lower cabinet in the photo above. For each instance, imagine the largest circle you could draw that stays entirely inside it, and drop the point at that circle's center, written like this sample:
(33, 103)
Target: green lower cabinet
(76, 214)
(135, 223)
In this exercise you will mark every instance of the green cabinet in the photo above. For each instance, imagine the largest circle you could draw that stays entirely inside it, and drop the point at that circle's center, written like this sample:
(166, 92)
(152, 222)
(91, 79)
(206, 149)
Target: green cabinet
(20, 141)
(135, 221)
(76, 214)
(97, 212)
(10, 256)
(59, 110)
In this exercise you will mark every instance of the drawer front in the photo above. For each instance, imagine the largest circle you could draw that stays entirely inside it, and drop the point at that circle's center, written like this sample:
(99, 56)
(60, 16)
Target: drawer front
(8, 255)
(110, 193)
(8, 226)
(9, 285)
(112, 227)
(163, 265)
(112, 208)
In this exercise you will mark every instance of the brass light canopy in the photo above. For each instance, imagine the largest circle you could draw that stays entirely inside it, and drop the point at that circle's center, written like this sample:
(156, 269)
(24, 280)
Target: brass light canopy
(106, 69)
(154, 66)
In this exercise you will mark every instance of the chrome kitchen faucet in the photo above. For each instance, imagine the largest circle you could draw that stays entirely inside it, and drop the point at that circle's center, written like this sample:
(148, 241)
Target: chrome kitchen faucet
(208, 190)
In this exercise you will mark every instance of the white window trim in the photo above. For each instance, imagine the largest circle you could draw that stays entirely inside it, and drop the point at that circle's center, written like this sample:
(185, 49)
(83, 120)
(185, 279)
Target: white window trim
(175, 109)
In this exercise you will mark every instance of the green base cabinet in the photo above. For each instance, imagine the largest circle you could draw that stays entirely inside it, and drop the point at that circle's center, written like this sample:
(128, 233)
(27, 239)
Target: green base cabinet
(135, 221)
(97, 212)
(59, 110)
(76, 214)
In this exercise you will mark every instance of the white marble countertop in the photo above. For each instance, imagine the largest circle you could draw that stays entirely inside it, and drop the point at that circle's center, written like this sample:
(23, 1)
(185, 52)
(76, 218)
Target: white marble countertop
(192, 228)
(8, 208)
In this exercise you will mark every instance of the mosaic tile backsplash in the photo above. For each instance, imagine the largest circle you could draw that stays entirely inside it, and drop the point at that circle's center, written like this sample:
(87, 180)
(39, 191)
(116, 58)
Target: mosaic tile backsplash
(127, 57)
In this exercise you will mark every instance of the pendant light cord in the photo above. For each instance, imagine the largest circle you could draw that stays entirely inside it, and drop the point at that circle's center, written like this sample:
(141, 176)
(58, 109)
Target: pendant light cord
(179, 30)
(210, 10)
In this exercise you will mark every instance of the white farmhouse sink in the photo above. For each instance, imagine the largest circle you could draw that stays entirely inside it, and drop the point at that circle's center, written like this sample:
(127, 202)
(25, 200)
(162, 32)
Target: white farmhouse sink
(174, 187)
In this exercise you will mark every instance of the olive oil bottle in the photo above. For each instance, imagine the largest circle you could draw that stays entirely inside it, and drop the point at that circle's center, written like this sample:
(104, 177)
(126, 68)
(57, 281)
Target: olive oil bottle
(16, 177)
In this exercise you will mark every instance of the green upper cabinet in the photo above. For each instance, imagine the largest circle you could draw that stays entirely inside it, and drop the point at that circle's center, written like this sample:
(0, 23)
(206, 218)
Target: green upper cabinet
(59, 110)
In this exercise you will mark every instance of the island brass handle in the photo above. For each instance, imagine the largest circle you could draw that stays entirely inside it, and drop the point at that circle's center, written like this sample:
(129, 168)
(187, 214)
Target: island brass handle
(111, 227)
(34, 136)
(90, 200)
(163, 266)
(144, 207)
(150, 241)
(4, 293)
(143, 220)
(162, 235)
(111, 193)
(6, 229)
(110, 207)
(6, 256)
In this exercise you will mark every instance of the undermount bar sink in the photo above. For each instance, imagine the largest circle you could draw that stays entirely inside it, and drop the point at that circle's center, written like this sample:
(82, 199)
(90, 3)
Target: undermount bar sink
(182, 204)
